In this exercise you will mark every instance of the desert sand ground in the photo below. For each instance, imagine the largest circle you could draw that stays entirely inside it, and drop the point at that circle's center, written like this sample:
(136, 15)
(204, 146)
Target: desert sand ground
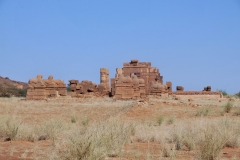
(103, 128)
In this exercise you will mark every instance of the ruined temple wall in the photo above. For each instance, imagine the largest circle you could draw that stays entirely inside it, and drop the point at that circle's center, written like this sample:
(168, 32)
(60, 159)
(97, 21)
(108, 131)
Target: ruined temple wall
(199, 96)
(126, 87)
(41, 89)
(195, 94)
(142, 70)
(89, 88)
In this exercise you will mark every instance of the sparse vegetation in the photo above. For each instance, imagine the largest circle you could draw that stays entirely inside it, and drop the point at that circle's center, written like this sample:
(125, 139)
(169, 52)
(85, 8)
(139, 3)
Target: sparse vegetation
(224, 93)
(228, 107)
(171, 120)
(237, 111)
(238, 94)
(94, 130)
(68, 87)
(98, 140)
(9, 90)
(9, 127)
(203, 111)
(73, 119)
(160, 120)
(85, 121)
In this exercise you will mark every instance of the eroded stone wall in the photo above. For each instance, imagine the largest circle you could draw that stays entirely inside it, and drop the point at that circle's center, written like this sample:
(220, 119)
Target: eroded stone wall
(89, 88)
(41, 89)
(150, 80)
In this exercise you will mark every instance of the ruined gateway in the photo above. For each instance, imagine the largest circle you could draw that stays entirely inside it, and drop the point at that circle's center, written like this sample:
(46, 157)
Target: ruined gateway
(136, 80)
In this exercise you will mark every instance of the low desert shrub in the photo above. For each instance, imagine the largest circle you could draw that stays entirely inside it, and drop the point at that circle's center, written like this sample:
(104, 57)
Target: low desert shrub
(171, 120)
(228, 107)
(203, 111)
(145, 133)
(224, 93)
(207, 137)
(237, 111)
(85, 121)
(210, 144)
(160, 120)
(217, 135)
(184, 136)
(73, 119)
(48, 130)
(9, 127)
(9, 90)
(237, 94)
(97, 141)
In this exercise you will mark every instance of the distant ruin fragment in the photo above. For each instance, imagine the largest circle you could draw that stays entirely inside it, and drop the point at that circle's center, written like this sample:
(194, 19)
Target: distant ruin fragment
(89, 88)
(41, 89)
(207, 89)
(179, 88)
(206, 93)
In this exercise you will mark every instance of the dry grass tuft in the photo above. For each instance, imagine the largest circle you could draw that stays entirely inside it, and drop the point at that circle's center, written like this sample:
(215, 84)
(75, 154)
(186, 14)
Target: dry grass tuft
(203, 111)
(228, 107)
(9, 127)
(97, 141)
(160, 120)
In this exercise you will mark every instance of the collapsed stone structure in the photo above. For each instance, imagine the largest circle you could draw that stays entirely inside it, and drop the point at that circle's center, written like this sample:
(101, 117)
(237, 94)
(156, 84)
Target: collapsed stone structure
(196, 94)
(180, 88)
(40, 89)
(206, 93)
(87, 87)
(208, 89)
(137, 80)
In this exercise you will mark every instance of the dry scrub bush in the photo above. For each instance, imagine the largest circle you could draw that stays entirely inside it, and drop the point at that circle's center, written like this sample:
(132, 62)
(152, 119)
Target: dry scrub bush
(184, 135)
(49, 130)
(97, 141)
(171, 120)
(203, 111)
(207, 137)
(146, 133)
(9, 127)
(228, 107)
(15, 129)
(160, 120)
(237, 112)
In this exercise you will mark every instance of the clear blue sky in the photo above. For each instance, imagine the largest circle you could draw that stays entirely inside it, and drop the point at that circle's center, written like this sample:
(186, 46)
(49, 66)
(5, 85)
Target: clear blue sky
(194, 43)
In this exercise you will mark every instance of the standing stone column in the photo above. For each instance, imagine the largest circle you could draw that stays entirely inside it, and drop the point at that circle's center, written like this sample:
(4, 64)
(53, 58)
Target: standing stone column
(104, 76)
(104, 87)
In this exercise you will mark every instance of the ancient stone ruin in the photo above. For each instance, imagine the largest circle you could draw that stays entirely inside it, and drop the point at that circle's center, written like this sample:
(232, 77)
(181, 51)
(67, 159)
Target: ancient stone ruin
(179, 88)
(88, 88)
(137, 80)
(41, 89)
(129, 87)
(207, 89)
(206, 93)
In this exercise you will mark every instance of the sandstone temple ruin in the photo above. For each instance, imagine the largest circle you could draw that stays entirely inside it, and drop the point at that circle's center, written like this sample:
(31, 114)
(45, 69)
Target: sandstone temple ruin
(41, 89)
(136, 80)
(88, 88)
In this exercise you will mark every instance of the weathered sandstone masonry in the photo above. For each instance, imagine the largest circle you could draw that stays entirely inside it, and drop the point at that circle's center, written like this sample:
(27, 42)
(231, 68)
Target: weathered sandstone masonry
(89, 88)
(40, 89)
(196, 94)
(134, 81)
(206, 93)
(138, 78)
